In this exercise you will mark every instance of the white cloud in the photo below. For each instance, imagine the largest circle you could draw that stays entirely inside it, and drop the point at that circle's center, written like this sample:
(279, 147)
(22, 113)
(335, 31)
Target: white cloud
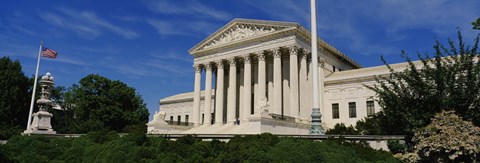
(64, 59)
(190, 8)
(173, 56)
(80, 28)
(85, 24)
(360, 25)
(92, 18)
(164, 28)
(441, 16)
(179, 27)
(169, 68)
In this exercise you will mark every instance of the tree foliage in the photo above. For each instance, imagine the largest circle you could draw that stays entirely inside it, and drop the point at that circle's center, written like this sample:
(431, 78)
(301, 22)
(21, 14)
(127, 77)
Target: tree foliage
(14, 98)
(448, 138)
(449, 79)
(99, 103)
(369, 125)
(106, 146)
(341, 129)
(476, 24)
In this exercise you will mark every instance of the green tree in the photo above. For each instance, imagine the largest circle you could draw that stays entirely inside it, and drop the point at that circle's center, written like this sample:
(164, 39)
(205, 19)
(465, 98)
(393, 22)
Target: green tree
(341, 129)
(14, 98)
(448, 139)
(449, 79)
(100, 103)
(369, 126)
(476, 24)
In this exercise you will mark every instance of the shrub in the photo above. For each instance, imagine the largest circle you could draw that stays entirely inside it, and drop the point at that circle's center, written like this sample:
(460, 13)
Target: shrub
(396, 147)
(341, 129)
(448, 138)
(102, 146)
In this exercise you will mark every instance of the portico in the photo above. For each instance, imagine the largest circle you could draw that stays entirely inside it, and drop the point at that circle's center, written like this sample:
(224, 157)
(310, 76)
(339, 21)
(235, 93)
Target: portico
(239, 103)
(254, 76)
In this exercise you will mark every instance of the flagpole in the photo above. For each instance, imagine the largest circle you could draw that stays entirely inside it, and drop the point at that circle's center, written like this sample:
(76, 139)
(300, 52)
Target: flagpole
(34, 87)
(316, 125)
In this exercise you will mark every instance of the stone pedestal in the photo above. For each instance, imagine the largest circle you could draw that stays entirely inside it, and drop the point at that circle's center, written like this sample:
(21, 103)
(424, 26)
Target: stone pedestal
(41, 123)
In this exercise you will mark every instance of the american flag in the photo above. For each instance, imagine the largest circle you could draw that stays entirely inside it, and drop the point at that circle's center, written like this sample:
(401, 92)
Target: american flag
(49, 53)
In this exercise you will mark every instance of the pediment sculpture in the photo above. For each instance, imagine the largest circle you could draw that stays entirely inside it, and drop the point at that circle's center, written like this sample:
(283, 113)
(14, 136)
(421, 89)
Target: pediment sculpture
(238, 32)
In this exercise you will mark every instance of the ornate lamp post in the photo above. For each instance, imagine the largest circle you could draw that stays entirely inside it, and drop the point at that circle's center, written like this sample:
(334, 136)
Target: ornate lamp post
(41, 119)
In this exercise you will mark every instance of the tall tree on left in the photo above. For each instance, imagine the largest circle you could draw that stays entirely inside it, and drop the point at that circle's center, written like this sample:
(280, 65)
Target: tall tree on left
(15, 94)
(100, 103)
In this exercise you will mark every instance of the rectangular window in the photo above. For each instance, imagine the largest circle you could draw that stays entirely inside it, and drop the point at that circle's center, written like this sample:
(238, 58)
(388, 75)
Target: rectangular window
(171, 119)
(352, 108)
(370, 108)
(335, 111)
(179, 119)
(203, 118)
(333, 68)
(186, 120)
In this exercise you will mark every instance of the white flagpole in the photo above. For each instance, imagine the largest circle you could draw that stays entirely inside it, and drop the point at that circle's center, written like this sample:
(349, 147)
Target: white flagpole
(34, 87)
(316, 125)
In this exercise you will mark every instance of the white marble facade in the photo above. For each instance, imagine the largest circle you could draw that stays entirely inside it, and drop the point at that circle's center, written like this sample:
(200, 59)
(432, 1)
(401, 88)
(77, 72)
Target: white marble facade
(249, 60)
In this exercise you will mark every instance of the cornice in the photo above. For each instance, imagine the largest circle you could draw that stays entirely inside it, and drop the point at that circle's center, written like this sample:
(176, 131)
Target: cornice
(288, 28)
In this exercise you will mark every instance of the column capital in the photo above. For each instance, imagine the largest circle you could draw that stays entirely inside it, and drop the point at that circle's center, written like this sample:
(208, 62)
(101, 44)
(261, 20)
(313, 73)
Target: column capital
(261, 56)
(208, 66)
(276, 53)
(308, 55)
(321, 62)
(231, 61)
(293, 50)
(303, 56)
(219, 64)
(197, 67)
(247, 59)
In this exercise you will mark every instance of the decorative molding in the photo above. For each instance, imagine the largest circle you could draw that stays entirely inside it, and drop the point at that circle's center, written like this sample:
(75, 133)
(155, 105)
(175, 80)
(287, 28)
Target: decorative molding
(247, 59)
(309, 56)
(232, 61)
(208, 66)
(261, 56)
(292, 37)
(276, 53)
(302, 53)
(239, 32)
(219, 64)
(284, 37)
(293, 50)
(321, 62)
(197, 67)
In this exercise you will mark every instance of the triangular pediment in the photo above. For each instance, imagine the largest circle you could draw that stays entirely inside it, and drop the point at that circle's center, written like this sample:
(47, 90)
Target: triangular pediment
(239, 30)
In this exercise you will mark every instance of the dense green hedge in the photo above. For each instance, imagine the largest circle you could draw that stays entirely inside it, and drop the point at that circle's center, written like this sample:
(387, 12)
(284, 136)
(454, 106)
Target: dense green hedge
(109, 147)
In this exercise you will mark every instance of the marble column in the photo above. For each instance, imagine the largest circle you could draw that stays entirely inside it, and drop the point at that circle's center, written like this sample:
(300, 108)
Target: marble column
(277, 82)
(261, 76)
(208, 95)
(303, 88)
(321, 78)
(247, 88)
(219, 94)
(196, 95)
(232, 91)
(294, 111)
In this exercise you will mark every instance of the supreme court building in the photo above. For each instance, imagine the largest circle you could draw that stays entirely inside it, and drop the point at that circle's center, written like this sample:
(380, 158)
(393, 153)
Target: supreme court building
(258, 78)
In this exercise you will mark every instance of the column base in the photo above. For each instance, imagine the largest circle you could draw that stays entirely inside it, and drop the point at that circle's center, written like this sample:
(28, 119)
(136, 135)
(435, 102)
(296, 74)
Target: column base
(41, 124)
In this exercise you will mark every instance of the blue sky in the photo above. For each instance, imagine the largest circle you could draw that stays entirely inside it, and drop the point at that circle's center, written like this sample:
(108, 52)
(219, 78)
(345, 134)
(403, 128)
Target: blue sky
(144, 43)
